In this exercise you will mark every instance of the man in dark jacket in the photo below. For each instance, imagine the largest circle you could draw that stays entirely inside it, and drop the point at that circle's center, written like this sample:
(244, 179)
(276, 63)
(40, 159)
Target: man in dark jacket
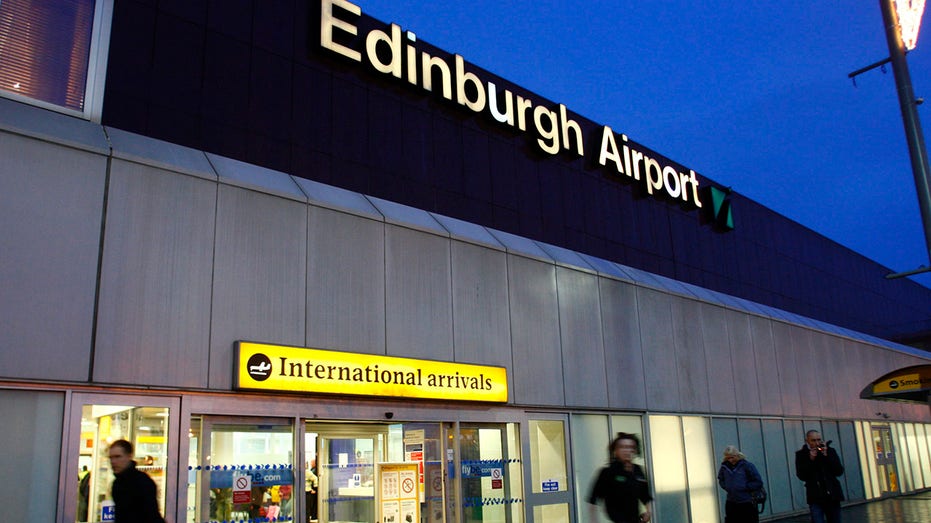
(819, 466)
(134, 493)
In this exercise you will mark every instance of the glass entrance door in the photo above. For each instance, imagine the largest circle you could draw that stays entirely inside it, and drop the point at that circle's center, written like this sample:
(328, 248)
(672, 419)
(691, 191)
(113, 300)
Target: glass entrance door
(97, 420)
(884, 454)
(490, 474)
(549, 492)
(241, 469)
(346, 466)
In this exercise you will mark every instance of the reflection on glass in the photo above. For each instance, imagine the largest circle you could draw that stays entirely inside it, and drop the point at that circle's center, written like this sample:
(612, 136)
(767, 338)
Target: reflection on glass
(490, 480)
(701, 467)
(548, 456)
(101, 425)
(240, 472)
(557, 513)
(44, 49)
(670, 480)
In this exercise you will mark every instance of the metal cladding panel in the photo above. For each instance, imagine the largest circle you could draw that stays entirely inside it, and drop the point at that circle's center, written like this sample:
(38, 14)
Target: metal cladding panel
(718, 356)
(826, 358)
(764, 351)
(535, 332)
(623, 352)
(858, 377)
(690, 355)
(581, 338)
(419, 296)
(743, 362)
(345, 282)
(260, 275)
(481, 326)
(809, 376)
(157, 153)
(51, 201)
(786, 368)
(47, 126)
(153, 324)
(660, 368)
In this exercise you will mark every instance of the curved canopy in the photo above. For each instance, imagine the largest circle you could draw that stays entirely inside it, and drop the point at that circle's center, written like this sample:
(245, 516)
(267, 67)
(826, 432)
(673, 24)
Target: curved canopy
(911, 384)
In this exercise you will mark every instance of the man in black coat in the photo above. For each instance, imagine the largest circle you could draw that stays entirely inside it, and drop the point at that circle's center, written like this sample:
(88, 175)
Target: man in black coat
(134, 493)
(819, 466)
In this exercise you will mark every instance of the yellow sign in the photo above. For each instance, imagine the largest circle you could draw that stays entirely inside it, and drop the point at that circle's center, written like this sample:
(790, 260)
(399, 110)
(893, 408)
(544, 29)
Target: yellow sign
(293, 369)
(905, 380)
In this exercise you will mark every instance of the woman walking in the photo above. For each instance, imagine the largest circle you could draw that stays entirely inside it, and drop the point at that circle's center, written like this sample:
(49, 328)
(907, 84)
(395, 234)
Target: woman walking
(738, 477)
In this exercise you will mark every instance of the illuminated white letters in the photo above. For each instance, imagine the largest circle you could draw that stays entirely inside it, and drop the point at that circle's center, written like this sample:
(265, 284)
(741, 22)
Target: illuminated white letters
(387, 52)
(328, 23)
(394, 44)
(657, 178)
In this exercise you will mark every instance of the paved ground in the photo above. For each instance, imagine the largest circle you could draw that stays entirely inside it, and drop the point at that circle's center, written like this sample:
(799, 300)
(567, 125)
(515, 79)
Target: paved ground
(904, 509)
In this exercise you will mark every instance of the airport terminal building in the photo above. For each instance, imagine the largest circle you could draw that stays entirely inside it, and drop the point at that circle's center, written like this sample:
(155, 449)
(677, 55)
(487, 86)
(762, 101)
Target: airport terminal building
(315, 268)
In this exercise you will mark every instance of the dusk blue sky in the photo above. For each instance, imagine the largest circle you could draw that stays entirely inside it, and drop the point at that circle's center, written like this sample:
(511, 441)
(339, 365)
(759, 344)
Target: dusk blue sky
(753, 95)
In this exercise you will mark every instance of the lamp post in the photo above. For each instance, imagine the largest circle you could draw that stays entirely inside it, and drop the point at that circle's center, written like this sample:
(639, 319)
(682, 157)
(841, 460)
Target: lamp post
(913, 135)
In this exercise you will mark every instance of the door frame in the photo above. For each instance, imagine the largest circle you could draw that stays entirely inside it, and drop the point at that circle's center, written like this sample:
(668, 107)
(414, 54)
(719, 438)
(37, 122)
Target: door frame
(207, 424)
(881, 466)
(74, 403)
(532, 499)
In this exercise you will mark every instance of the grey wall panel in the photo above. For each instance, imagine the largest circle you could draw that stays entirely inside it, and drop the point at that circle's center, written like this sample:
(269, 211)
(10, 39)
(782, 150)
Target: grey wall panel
(876, 360)
(830, 368)
(718, 356)
(848, 392)
(809, 376)
(345, 282)
(534, 332)
(690, 355)
(623, 353)
(761, 332)
(857, 354)
(743, 361)
(660, 369)
(481, 322)
(862, 376)
(260, 275)
(154, 311)
(786, 368)
(418, 294)
(581, 338)
(51, 203)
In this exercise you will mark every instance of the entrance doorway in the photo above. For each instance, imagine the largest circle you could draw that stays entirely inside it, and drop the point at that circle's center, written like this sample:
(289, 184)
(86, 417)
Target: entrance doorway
(884, 455)
(246, 469)
(469, 472)
(97, 421)
(241, 469)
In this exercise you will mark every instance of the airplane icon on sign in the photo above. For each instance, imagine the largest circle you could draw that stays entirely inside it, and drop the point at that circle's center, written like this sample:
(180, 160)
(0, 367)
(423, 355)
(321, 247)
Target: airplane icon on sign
(261, 369)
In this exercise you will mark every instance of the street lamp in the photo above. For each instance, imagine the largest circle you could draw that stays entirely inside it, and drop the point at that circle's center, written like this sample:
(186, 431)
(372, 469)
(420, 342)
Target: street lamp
(902, 20)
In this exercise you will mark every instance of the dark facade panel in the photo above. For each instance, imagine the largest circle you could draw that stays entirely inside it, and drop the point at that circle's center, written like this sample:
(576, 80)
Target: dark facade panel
(249, 80)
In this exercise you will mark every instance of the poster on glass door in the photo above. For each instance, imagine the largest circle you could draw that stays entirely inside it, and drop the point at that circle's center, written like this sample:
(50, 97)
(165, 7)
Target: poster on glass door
(398, 492)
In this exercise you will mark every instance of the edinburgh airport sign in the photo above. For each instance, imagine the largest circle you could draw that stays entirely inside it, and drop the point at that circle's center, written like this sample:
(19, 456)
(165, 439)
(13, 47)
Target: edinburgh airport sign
(394, 52)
